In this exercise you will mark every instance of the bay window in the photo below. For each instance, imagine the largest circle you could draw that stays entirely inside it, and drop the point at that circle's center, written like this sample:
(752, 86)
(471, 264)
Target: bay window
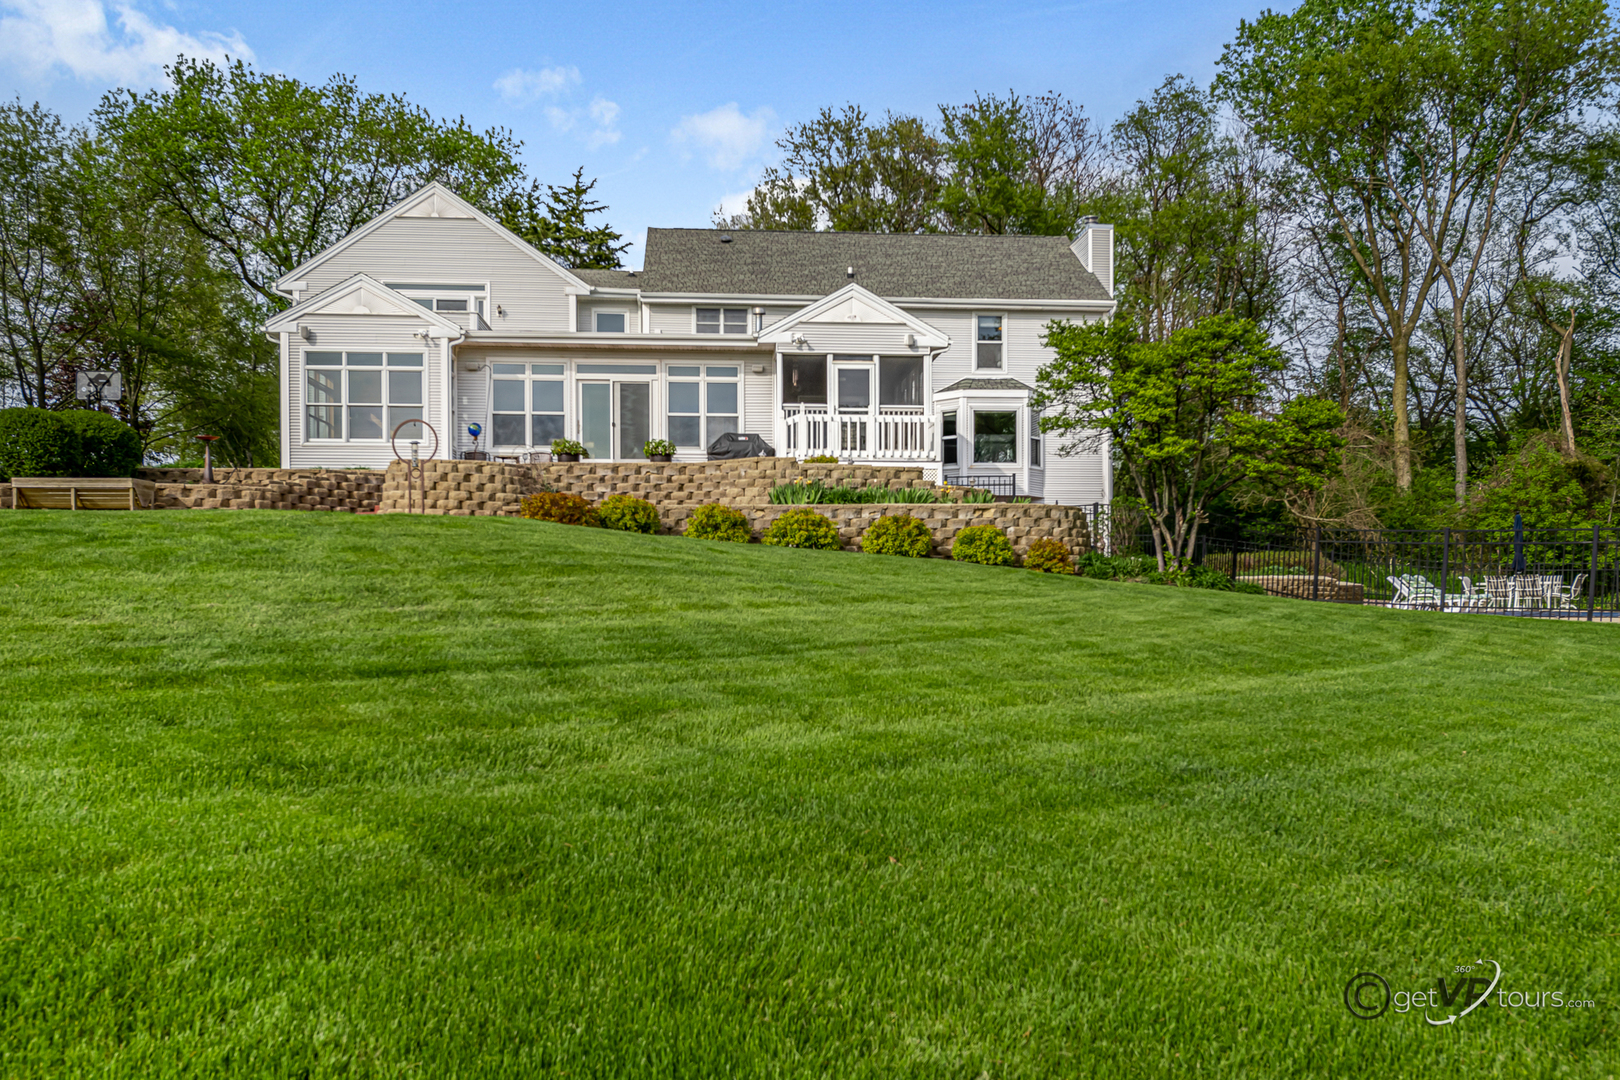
(995, 438)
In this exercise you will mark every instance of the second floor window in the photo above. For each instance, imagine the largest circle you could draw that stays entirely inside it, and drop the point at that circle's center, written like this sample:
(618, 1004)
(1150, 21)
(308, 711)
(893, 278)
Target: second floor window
(713, 320)
(610, 322)
(988, 355)
(362, 396)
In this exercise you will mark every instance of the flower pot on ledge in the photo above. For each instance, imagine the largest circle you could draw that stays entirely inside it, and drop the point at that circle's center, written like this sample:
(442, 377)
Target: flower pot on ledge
(565, 457)
(661, 457)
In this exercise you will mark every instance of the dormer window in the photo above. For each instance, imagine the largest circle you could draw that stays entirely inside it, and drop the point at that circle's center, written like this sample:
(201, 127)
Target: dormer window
(610, 322)
(713, 320)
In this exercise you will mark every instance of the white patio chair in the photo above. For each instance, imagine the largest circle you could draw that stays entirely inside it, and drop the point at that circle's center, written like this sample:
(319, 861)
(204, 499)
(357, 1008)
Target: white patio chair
(1499, 592)
(1403, 593)
(1472, 599)
(1570, 596)
(1423, 591)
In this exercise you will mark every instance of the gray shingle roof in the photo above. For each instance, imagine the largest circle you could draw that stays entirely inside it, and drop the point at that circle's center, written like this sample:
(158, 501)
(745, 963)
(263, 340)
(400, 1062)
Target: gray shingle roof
(985, 384)
(609, 279)
(896, 265)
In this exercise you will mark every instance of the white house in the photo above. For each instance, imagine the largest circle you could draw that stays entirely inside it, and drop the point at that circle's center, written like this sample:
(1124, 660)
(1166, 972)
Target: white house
(878, 348)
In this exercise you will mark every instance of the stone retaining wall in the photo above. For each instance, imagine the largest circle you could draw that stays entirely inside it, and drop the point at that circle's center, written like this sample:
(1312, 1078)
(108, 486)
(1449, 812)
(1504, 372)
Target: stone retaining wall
(1023, 523)
(476, 487)
(334, 490)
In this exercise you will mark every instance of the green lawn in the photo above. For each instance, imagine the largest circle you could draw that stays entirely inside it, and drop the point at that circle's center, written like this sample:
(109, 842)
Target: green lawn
(317, 795)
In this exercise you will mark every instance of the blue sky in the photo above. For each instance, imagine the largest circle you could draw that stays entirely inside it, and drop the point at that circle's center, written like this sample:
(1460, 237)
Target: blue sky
(673, 106)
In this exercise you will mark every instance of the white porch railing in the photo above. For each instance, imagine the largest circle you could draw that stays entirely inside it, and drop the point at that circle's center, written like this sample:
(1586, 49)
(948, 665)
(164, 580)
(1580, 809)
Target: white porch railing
(891, 432)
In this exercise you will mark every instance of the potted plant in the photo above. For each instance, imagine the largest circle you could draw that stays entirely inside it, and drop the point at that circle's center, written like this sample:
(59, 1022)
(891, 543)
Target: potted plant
(568, 450)
(658, 450)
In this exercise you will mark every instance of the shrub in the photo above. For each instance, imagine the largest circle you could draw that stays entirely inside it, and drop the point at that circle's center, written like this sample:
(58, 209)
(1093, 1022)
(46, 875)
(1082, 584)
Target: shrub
(822, 459)
(983, 544)
(716, 522)
(1050, 556)
(569, 446)
(898, 534)
(109, 446)
(803, 529)
(628, 514)
(563, 509)
(37, 442)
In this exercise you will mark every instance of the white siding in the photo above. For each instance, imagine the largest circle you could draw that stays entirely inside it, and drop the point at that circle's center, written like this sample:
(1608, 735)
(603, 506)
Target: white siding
(456, 251)
(372, 333)
(1078, 480)
(472, 402)
(670, 318)
(774, 315)
(854, 338)
(759, 400)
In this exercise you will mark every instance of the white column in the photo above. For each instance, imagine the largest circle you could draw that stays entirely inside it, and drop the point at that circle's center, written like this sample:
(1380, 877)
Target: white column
(286, 400)
(447, 437)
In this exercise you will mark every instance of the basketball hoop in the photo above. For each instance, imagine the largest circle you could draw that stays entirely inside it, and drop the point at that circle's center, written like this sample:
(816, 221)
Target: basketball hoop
(415, 474)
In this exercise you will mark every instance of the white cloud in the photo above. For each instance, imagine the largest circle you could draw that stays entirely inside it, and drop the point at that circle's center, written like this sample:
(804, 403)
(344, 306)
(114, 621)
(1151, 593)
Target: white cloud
(606, 115)
(527, 86)
(726, 136)
(602, 114)
(81, 37)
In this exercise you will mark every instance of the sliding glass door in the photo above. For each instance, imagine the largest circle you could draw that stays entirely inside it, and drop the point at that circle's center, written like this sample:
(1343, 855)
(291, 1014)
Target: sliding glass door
(615, 418)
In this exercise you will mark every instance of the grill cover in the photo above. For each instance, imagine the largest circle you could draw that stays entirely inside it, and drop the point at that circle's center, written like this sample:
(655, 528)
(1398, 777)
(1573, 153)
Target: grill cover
(730, 446)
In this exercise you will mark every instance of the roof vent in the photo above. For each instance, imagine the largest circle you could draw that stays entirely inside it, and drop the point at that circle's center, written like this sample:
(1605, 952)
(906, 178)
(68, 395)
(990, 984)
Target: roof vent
(850, 273)
(725, 238)
(1089, 219)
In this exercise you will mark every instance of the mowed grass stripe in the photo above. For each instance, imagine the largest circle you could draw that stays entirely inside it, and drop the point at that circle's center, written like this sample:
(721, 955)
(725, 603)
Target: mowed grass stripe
(303, 794)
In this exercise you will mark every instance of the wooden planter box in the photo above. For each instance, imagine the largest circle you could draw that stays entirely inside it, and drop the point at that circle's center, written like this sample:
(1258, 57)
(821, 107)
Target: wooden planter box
(82, 493)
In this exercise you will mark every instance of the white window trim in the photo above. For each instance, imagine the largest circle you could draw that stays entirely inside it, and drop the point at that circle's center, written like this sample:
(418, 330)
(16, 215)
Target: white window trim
(528, 378)
(344, 404)
(974, 341)
(629, 319)
(702, 379)
(1020, 431)
(748, 317)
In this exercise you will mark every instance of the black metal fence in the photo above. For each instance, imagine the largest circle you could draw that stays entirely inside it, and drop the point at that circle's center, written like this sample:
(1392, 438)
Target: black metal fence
(996, 485)
(1527, 572)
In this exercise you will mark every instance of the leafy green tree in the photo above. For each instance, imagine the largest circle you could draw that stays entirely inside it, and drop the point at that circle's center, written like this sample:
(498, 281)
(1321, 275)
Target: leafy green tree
(841, 172)
(1195, 213)
(988, 148)
(40, 331)
(1403, 119)
(557, 224)
(270, 171)
(1187, 418)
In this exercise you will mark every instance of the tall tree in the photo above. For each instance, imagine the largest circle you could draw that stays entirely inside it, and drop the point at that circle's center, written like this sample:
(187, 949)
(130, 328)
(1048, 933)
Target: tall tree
(40, 330)
(991, 186)
(842, 172)
(1334, 87)
(558, 224)
(1195, 211)
(271, 171)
